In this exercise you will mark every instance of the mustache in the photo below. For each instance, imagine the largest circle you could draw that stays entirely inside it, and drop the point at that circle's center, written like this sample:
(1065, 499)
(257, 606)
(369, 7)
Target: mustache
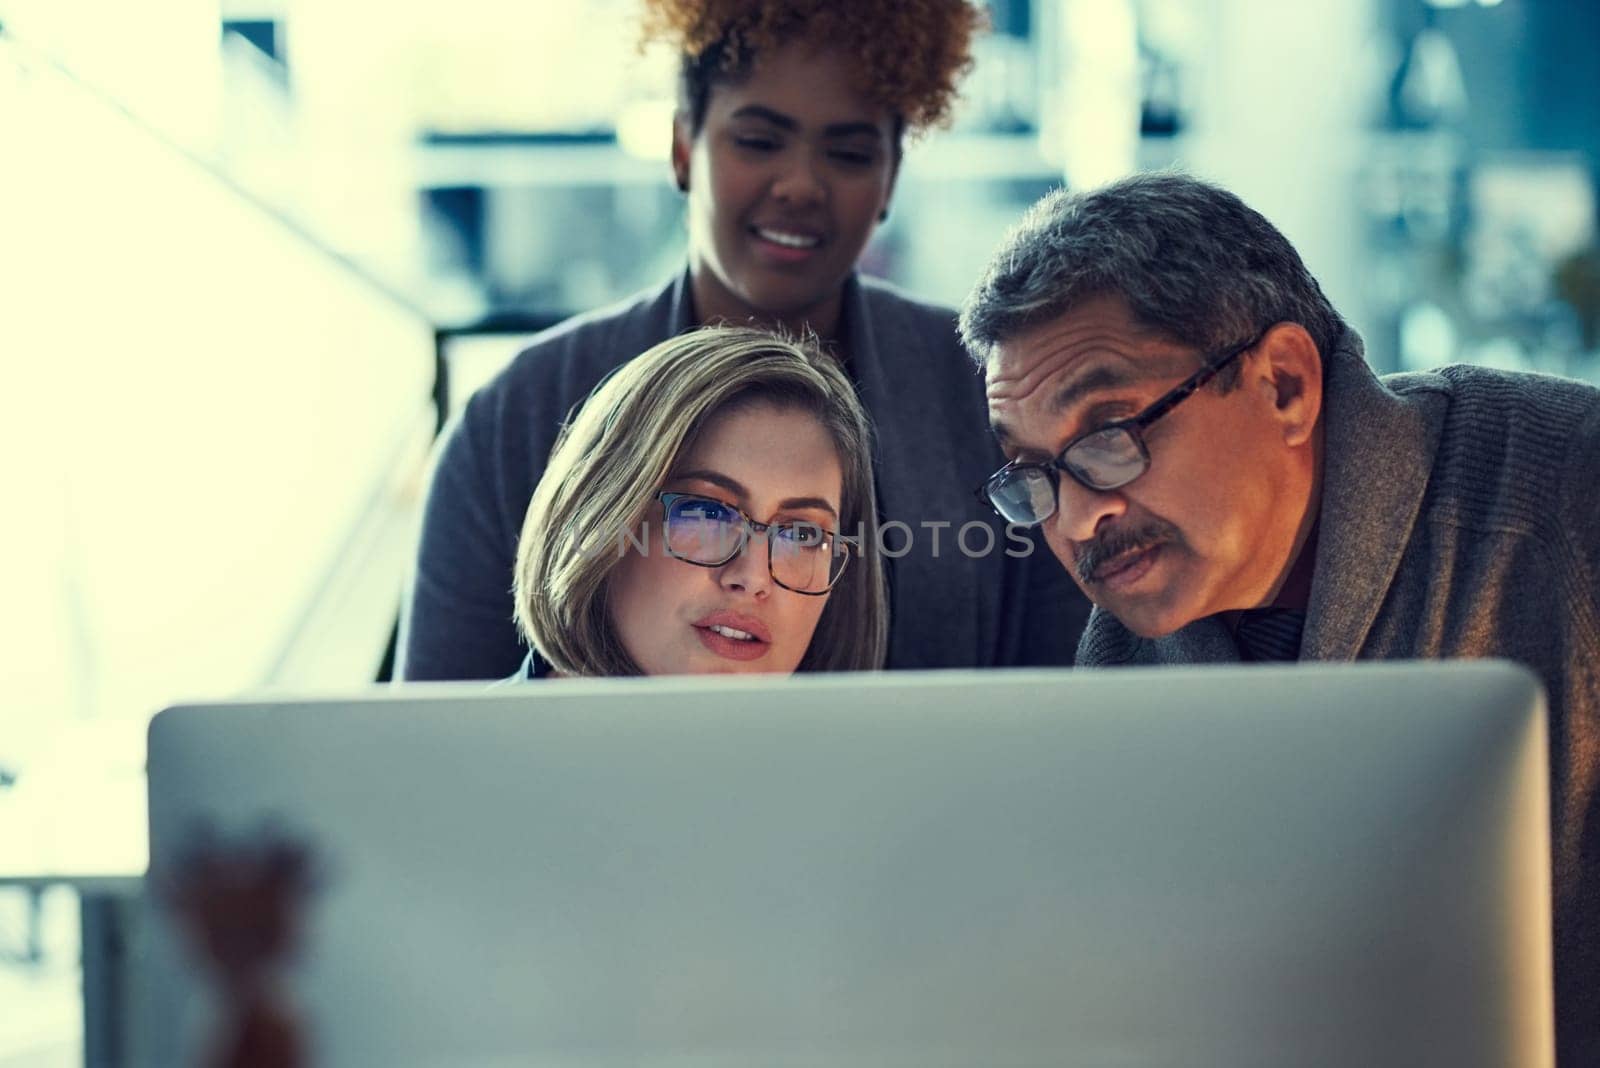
(1119, 540)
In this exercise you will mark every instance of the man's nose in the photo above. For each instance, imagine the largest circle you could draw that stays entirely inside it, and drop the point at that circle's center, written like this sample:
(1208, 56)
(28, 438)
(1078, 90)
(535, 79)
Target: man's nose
(1080, 511)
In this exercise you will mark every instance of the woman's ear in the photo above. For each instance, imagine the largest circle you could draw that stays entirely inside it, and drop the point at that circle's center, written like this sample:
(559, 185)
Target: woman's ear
(682, 143)
(888, 193)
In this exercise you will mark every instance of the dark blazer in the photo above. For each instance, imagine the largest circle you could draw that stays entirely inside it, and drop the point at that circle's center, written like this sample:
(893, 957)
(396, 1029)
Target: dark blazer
(925, 397)
(1460, 517)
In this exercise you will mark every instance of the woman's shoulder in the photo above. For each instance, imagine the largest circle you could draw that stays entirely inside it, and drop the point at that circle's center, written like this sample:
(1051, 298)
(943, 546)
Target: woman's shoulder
(605, 337)
(559, 366)
(531, 668)
(899, 332)
(887, 302)
(900, 326)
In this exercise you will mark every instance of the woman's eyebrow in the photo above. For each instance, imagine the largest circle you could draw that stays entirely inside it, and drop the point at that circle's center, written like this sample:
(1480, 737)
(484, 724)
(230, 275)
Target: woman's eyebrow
(716, 478)
(737, 489)
(853, 128)
(766, 114)
(808, 502)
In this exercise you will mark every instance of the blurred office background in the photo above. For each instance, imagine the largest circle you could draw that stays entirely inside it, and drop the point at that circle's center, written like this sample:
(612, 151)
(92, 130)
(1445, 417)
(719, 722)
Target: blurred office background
(252, 252)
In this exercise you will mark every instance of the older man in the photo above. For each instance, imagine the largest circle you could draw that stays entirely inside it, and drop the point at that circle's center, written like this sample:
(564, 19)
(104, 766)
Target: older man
(1210, 456)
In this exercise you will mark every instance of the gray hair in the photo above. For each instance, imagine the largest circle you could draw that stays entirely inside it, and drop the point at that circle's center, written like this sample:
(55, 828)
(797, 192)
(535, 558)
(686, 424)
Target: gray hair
(1192, 261)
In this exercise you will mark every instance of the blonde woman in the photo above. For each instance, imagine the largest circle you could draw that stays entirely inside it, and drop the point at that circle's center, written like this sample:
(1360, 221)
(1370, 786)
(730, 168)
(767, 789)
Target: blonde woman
(710, 509)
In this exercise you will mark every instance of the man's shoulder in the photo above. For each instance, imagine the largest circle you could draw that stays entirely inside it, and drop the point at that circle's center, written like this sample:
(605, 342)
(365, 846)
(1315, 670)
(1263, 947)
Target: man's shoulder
(1492, 396)
(1472, 378)
(1509, 440)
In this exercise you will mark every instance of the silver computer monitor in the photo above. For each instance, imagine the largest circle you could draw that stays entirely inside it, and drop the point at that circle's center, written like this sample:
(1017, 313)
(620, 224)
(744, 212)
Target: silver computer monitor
(1312, 865)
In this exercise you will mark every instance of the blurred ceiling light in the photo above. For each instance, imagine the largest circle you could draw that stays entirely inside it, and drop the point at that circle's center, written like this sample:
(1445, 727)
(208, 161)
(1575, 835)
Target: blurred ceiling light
(1431, 88)
(240, 10)
(644, 128)
(485, 65)
(159, 61)
(1098, 132)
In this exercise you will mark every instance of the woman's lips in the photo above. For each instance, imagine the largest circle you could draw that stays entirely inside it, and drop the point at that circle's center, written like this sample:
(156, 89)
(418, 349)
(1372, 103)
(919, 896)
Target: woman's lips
(782, 245)
(731, 648)
(1124, 571)
(750, 640)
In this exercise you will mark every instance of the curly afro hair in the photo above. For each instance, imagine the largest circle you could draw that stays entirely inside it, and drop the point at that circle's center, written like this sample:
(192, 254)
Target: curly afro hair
(911, 53)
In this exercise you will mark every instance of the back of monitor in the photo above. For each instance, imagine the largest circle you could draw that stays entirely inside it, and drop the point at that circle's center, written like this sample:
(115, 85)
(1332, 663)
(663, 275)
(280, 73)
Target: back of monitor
(1308, 866)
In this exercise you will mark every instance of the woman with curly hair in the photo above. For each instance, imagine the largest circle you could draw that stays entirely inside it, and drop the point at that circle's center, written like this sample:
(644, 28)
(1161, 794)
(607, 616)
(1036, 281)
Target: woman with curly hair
(786, 143)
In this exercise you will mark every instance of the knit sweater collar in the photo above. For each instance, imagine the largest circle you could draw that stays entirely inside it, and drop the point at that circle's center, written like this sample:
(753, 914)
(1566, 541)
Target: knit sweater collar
(1378, 449)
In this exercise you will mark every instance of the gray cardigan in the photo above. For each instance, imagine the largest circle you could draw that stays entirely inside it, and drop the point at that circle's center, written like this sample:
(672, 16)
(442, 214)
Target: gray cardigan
(1460, 517)
(926, 401)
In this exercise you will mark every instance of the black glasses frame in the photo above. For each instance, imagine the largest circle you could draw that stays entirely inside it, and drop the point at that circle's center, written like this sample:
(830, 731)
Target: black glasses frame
(1134, 426)
(754, 527)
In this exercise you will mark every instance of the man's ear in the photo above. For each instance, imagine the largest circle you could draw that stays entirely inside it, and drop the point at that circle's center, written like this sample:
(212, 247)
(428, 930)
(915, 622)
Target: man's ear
(1287, 368)
(682, 144)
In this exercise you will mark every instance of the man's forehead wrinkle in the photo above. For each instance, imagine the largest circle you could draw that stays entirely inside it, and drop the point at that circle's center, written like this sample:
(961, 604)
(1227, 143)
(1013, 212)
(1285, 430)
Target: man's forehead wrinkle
(1053, 348)
(1097, 377)
(1017, 387)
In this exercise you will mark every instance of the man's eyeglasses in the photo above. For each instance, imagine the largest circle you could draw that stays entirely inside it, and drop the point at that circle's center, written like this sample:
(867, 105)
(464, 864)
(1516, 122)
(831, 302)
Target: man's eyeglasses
(801, 557)
(1106, 458)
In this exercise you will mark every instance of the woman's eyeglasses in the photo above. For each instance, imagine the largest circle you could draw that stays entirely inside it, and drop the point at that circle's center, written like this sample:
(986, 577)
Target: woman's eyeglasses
(1106, 458)
(801, 557)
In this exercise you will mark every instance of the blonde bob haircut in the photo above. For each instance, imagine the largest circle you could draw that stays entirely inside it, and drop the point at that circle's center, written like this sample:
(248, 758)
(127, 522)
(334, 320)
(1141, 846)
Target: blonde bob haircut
(621, 448)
